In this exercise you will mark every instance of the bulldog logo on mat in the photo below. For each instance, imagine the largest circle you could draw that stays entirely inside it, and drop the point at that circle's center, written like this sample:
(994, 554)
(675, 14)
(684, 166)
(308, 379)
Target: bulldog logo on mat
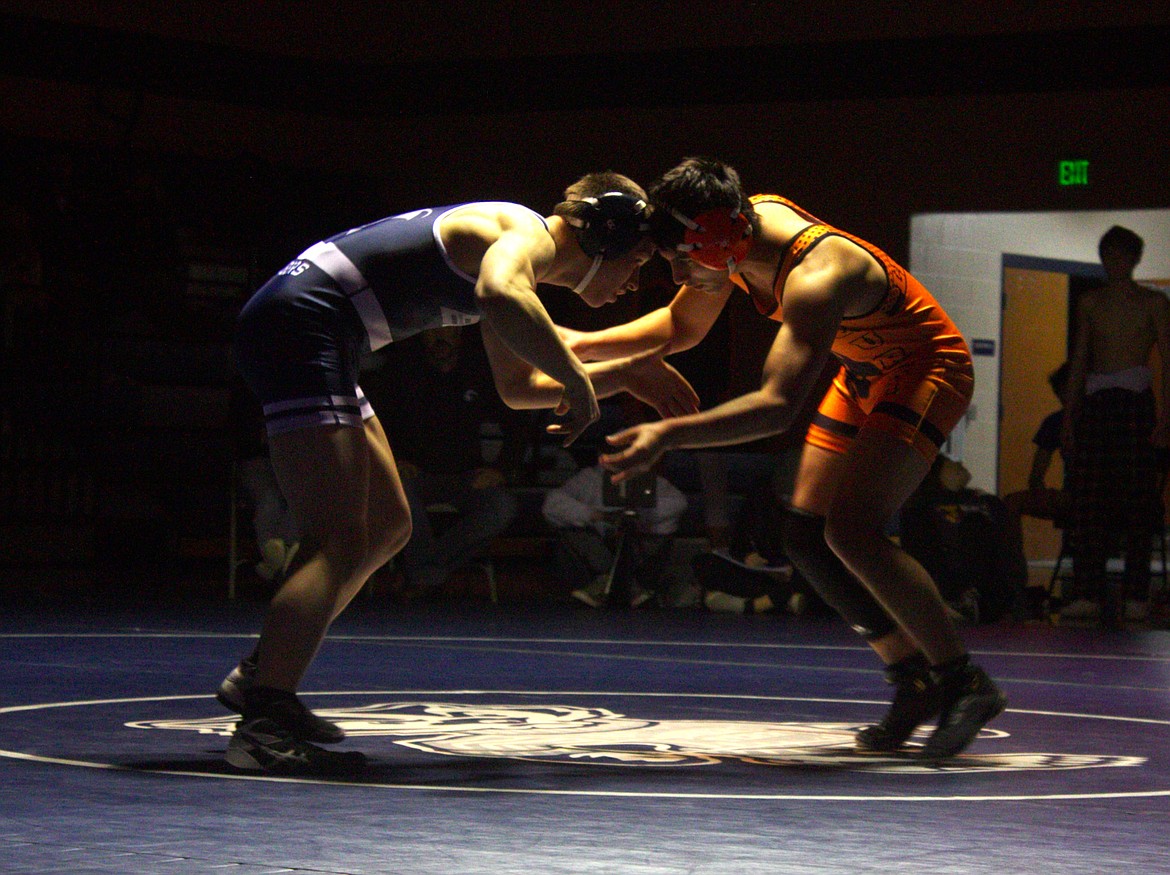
(564, 733)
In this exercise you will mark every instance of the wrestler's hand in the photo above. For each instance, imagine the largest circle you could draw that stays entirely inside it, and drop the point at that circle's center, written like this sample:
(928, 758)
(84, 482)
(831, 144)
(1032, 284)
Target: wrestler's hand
(575, 340)
(639, 447)
(579, 406)
(652, 381)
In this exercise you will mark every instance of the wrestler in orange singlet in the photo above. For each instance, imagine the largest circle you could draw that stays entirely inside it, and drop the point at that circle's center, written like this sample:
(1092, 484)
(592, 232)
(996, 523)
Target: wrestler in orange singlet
(905, 381)
(905, 368)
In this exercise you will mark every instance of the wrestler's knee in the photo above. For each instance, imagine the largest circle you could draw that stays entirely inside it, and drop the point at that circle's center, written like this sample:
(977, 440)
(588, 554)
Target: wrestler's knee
(346, 553)
(387, 539)
(807, 547)
(334, 557)
(853, 536)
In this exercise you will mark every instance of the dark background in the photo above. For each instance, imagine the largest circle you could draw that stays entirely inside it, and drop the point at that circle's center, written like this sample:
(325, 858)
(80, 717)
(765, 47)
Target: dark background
(163, 159)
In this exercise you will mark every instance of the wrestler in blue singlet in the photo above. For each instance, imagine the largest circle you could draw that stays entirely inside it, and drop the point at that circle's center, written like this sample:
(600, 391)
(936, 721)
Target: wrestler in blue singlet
(300, 338)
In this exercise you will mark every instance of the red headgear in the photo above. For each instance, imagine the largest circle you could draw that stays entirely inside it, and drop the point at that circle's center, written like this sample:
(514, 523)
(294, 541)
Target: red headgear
(718, 238)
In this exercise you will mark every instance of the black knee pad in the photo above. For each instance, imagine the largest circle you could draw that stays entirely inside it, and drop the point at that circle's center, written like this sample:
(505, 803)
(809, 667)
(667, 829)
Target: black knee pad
(805, 545)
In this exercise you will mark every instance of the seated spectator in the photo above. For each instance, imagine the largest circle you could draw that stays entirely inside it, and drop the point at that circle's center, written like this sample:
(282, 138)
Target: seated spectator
(454, 441)
(719, 469)
(272, 522)
(963, 539)
(748, 571)
(1039, 500)
(611, 541)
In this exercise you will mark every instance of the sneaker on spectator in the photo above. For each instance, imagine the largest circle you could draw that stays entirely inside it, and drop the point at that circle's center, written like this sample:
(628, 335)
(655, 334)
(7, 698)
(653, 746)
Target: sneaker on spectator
(594, 594)
(639, 596)
(724, 603)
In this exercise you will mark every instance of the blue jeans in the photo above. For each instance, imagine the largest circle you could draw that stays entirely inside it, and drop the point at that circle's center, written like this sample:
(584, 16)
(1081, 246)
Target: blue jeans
(454, 531)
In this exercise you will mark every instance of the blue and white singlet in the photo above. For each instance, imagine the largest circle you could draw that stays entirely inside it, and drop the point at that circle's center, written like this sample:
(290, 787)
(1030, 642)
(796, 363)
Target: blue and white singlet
(300, 338)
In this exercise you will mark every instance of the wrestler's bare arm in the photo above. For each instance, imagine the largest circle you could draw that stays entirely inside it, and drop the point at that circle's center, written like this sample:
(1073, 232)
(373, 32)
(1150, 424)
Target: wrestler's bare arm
(645, 376)
(676, 327)
(506, 295)
(813, 312)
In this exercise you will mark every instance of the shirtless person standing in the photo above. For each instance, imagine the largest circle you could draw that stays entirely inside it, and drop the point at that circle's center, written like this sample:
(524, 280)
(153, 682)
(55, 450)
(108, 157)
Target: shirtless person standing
(1114, 432)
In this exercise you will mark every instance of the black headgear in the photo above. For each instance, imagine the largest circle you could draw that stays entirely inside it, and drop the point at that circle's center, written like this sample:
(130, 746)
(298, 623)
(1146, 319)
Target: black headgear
(609, 225)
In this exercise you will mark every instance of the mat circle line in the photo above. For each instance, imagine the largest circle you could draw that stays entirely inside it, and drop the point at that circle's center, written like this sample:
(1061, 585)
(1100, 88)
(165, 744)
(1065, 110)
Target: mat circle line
(803, 797)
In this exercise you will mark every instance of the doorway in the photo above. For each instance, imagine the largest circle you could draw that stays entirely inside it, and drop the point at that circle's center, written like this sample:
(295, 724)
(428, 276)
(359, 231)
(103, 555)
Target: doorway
(1036, 331)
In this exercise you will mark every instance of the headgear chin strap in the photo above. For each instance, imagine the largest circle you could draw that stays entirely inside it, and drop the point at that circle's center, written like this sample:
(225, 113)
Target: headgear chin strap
(718, 239)
(589, 274)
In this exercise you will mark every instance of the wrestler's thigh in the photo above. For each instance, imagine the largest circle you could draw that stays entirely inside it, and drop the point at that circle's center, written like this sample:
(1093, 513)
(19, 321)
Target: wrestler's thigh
(877, 476)
(324, 474)
(817, 476)
(387, 499)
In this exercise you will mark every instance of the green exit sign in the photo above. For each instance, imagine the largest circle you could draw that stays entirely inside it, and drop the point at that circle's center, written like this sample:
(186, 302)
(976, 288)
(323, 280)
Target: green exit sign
(1073, 172)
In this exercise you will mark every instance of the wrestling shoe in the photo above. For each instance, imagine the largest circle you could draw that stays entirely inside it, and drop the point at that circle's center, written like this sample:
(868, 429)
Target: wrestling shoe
(286, 709)
(969, 700)
(916, 700)
(261, 745)
(235, 686)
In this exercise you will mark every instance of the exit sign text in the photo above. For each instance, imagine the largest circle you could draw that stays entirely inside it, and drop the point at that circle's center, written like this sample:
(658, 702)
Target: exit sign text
(1074, 172)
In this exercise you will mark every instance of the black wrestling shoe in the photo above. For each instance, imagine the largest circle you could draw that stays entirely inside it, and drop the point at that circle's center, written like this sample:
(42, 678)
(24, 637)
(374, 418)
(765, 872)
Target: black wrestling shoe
(916, 700)
(287, 711)
(234, 687)
(970, 699)
(261, 745)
